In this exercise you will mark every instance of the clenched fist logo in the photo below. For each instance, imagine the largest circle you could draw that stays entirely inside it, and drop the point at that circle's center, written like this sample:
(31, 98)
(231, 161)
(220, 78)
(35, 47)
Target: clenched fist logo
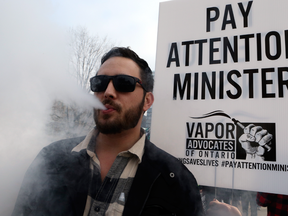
(255, 141)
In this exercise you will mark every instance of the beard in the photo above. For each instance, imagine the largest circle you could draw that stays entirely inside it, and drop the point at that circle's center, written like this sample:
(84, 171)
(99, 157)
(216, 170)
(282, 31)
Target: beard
(129, 118)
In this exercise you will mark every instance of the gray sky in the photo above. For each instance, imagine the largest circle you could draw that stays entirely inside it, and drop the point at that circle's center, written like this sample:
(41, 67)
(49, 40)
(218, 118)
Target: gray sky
(127, 22)
(34, 68)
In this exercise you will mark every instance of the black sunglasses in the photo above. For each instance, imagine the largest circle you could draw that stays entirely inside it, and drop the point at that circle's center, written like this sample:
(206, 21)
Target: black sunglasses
(122, 83)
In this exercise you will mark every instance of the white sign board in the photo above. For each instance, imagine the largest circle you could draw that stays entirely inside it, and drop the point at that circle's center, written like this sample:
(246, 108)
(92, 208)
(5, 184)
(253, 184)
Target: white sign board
(221, 91)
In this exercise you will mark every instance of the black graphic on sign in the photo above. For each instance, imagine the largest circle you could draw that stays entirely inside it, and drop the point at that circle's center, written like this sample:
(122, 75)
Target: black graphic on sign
(255, 141)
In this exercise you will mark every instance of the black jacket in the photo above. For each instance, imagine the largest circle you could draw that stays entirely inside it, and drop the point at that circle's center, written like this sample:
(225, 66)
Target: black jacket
(57, 181)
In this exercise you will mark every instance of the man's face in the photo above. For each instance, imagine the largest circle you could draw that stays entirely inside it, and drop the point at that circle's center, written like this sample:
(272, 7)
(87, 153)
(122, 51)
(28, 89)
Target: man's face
(124, 109)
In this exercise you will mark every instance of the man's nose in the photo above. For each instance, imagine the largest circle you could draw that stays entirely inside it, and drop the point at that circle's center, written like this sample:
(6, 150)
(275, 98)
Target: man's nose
(110, 90)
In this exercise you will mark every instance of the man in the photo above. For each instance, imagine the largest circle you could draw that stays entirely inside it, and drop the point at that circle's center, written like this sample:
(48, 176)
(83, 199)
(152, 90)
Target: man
(114, 170)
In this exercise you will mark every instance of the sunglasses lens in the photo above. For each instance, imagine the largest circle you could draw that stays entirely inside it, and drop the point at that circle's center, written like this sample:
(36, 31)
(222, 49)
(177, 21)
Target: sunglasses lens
(99, 83)
(124, 83)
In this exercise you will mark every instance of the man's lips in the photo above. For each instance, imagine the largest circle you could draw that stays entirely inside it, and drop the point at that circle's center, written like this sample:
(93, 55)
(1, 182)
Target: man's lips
(109, 109)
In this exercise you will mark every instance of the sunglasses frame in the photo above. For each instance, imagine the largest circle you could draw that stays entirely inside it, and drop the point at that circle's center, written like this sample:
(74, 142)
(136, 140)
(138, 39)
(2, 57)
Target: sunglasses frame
(115, 81)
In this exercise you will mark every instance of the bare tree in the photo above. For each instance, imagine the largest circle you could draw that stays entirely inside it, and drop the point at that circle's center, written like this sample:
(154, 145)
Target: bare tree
(70, 120)
(86, 53)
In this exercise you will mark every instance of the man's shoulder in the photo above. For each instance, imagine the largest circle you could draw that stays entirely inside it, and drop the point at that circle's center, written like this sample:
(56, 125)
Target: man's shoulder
(64, 145)
(164, 161)
(58, 156)
(59, 149)
(156, 153)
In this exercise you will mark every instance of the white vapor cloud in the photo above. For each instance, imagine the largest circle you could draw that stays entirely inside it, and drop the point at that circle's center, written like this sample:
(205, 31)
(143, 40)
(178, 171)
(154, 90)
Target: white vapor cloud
(33, 72)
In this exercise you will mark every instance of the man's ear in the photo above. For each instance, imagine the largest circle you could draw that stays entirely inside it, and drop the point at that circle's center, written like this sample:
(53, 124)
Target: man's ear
(149, 99)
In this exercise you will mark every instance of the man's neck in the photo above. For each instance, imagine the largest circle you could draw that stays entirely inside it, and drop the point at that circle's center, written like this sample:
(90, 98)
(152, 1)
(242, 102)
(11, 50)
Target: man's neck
(108, 146)
(116, 143)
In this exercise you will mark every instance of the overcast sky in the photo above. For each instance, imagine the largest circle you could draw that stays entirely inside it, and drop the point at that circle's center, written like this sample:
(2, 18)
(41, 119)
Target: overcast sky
(126, 22)
(34, 62)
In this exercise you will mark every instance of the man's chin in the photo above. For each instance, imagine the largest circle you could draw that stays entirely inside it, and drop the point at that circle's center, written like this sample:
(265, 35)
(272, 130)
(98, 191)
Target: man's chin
(109, 129)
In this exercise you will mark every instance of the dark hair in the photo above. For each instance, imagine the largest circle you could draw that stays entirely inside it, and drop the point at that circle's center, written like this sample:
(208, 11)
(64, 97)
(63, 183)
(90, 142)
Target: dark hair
(145, 71)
